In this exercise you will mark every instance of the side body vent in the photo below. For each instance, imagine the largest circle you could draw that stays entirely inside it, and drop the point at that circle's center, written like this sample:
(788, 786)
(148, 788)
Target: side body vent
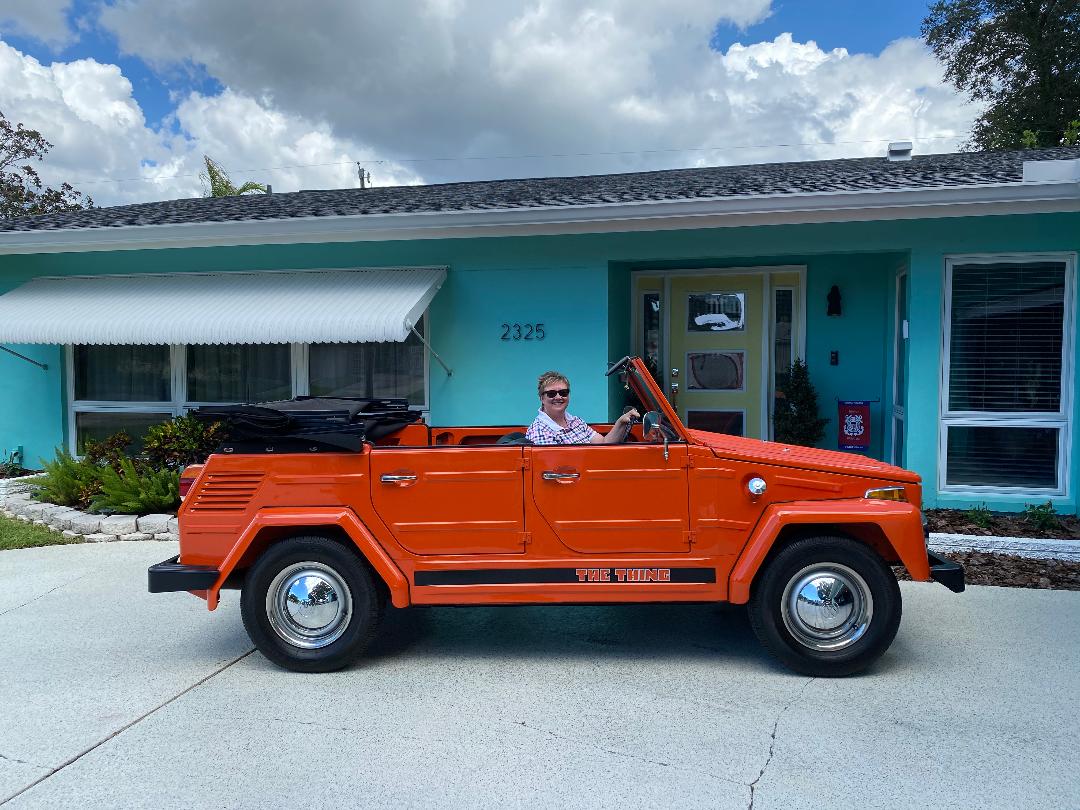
(226, 492)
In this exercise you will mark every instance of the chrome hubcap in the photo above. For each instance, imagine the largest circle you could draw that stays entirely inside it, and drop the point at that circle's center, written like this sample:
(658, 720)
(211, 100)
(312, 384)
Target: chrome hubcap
(309, 605)
(827, 607)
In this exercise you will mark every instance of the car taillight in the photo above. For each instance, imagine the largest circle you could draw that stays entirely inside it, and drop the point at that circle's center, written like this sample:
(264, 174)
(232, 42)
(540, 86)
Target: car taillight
(886, 494)
(185, 486)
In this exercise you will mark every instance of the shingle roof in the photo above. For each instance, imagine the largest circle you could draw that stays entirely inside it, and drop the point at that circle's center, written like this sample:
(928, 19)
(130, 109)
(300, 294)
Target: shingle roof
(857, 174)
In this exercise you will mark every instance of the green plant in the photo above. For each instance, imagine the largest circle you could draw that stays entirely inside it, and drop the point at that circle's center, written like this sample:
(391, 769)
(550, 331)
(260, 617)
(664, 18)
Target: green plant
(1042, 516)
(181, 441)
(135, 491)
(980, 516)
(69, 481)
(795, 416)
(107, 452)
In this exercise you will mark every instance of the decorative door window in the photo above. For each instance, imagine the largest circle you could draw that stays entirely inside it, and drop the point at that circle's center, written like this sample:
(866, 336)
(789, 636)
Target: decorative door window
(716, 312)
(716, 371)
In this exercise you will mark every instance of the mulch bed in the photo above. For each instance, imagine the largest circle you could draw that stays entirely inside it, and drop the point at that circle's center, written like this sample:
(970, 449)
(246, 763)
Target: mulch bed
(1010, 571)
(9, 471)
(1000, 524)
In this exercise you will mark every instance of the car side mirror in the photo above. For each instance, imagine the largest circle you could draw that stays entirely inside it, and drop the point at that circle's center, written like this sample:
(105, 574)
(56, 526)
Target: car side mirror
(650, 422)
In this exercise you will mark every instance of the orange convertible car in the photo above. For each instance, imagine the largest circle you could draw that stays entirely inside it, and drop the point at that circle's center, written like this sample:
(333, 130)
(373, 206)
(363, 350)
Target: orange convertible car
(321, 510)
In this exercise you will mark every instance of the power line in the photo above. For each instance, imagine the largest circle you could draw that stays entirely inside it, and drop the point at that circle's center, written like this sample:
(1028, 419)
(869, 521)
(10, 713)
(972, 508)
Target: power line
(535, 156)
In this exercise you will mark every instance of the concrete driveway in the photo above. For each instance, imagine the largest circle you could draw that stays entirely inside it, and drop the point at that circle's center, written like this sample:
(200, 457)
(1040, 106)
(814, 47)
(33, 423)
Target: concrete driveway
(112, 697)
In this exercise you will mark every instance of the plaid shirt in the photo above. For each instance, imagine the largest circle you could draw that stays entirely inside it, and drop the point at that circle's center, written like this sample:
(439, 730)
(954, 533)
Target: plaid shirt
(544, 430)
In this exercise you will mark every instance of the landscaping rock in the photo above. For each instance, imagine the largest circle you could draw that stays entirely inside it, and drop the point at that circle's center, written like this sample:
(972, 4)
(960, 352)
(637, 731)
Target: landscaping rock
(174, 526)
(53, 514)
(33, 510)
(84, 524)
(39, 522)
(100, 538)
(167, 536)
(154, 524)
(119, 524)
(136, 536)
(63, 519)
(23, 518)
(69, 533)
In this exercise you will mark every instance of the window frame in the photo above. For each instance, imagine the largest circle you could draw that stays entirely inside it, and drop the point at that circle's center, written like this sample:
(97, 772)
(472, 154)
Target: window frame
(1061, 420)
(178, 405)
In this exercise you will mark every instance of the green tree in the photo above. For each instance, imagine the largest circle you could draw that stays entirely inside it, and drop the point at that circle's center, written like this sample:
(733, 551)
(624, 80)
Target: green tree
(795, 415)
(1021, 58)
(218, 183)
(21, 191)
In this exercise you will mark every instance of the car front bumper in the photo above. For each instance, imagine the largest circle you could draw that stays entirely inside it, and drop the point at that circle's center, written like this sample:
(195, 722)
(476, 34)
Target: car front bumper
(948, 573)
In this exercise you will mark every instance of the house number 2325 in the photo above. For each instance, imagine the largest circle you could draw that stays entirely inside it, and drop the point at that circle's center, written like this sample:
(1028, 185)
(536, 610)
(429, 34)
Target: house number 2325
(522, 331)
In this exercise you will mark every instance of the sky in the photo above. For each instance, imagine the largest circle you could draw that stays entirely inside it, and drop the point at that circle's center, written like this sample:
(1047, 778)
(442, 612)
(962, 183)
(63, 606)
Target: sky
(133, 93)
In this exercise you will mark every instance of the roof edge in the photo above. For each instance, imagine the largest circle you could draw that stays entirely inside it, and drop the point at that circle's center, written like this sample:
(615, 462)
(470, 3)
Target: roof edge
(798, 208)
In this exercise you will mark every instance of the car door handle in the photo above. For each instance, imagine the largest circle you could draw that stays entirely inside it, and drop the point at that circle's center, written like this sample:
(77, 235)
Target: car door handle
(396, 479)
(551, 475)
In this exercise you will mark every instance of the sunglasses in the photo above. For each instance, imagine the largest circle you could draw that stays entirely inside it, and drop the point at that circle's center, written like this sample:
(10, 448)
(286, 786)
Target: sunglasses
(557, 392)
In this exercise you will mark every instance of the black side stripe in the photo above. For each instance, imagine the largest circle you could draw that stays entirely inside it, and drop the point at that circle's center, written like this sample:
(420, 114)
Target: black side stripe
(538, 576)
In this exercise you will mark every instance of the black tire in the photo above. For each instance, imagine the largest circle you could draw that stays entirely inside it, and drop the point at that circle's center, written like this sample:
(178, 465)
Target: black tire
(832, 631)
(327, 631)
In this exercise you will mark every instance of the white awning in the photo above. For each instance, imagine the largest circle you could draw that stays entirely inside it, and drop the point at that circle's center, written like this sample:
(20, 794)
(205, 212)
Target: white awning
(296, 306)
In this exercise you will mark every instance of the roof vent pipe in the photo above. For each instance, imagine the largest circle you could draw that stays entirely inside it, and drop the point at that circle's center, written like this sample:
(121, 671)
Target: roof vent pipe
(899, 150)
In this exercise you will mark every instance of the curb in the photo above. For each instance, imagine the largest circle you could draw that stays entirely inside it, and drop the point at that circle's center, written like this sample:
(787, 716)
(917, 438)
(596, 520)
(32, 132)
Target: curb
(1034, 548)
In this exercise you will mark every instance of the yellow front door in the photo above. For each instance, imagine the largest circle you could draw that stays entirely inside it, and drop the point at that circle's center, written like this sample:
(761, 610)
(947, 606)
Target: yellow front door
(716, 341)
(715, 363)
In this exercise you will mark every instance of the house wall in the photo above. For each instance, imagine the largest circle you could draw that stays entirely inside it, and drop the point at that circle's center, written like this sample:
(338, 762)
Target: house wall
(578, 286)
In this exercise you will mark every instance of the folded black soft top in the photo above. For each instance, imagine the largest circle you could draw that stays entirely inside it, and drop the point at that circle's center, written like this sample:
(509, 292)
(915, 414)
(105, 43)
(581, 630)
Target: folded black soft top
(307, 424)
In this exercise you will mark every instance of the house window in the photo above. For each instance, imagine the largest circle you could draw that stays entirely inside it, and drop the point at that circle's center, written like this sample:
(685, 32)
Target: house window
(1006, 401)
(131, 388)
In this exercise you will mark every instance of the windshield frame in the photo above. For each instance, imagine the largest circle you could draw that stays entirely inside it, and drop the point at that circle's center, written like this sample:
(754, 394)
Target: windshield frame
(635, 375)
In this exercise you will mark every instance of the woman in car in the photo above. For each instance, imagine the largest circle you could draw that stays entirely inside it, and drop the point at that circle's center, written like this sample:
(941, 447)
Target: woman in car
(554, 425)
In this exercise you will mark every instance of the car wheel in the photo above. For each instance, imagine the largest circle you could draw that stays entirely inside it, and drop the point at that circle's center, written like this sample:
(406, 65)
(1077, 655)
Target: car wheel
(311, 604)
(826, 606)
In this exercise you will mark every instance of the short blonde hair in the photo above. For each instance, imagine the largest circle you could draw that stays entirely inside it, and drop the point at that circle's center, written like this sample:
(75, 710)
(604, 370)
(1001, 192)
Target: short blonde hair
(547, 378)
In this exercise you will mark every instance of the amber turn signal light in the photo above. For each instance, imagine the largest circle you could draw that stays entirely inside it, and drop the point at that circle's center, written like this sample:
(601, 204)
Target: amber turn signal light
(886, 494)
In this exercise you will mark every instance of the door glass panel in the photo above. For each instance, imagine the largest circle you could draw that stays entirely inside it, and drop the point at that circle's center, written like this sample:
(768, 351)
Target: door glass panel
(650, 333)
(715, 312)
(715, 371)
(730, 422)
(783, 314)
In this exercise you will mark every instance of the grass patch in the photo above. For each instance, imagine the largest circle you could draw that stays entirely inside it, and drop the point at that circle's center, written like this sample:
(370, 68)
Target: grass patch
(16, 534)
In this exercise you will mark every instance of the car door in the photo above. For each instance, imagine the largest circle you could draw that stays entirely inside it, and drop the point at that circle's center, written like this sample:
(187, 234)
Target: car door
(451, 500)
(612, 499)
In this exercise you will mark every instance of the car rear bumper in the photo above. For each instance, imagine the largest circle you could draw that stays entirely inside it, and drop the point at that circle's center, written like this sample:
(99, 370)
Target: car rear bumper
(948, 573)
(170, 575)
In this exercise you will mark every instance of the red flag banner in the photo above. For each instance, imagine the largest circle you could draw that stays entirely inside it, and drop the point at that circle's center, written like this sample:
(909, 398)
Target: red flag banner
(854, 425)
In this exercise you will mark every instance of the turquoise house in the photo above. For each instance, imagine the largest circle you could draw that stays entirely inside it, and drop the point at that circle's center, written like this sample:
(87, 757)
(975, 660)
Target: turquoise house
(939, 290)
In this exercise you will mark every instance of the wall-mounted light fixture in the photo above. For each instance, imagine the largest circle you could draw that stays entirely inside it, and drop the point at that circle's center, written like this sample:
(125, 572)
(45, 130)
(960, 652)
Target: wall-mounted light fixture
(834, 301)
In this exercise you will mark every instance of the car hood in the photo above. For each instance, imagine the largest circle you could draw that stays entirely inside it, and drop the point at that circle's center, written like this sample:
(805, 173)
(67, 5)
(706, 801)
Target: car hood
(806, 458)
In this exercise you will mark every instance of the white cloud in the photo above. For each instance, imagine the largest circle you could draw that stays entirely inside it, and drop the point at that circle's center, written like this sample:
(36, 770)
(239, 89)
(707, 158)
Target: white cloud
(588, 85)
(42, 19)
(99, 136)
(630, 78)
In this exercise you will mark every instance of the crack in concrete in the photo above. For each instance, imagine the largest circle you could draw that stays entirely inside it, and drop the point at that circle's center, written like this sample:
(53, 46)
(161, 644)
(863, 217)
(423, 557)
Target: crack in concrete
(124, 728)
(25, 762)
(43, 595)
(625, 754)
(772, 740)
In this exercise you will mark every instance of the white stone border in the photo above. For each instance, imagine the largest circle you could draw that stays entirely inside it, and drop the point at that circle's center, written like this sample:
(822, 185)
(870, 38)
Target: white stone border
(1034, 548)
(16, 502)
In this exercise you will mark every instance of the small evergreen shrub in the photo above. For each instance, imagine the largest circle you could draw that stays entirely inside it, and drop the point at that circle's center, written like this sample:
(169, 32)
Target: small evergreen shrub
(795, 416)
(69, 481)
(134, 491)
(1042, 516)
(109, 451)
(181, 441)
